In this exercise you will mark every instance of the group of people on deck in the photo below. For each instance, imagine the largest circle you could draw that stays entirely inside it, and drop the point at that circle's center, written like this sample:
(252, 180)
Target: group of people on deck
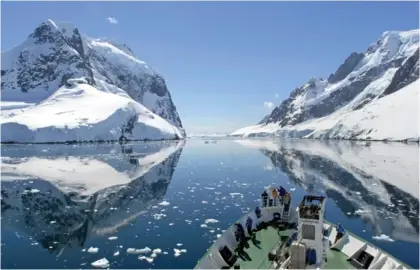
(277, 194)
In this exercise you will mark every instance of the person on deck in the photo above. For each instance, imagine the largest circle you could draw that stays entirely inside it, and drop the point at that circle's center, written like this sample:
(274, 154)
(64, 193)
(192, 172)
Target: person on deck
(274, 193)
(240, 236)
(258, 212)
(340, 232)
(282, 191)
(249, 225)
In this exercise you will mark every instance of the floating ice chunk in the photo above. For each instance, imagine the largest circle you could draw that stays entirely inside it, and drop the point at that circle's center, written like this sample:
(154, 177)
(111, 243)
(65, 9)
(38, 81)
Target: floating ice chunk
(184, 250)
(203, 226)
(165, 252)
(204, 202)
(102, 263)
(209, 188)
(53, 222)
(34, 190)
(177, 254)
(164, 203)
(138, 251)
(383, 237)
(93, 250)
(292, 189)
(153, 255)
(211, 220)
(171, 224)
(157, 251)
(117, 253)
(113, 238)
(212, 231)
(158, 216)
(218, 235)
(361, 212)
(149, 260)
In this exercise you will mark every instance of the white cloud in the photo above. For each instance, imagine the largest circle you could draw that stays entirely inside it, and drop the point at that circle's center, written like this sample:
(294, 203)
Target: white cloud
(268, 105)
(112, 20)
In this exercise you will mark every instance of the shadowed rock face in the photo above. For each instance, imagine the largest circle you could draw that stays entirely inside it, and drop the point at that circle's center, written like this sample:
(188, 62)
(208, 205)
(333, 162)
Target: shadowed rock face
(349, 64)
(57, 216)
(406, 74)
(51, 55)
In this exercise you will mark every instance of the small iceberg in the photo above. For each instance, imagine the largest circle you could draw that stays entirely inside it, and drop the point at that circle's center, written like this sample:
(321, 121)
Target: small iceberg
(383, 237)
(102, 263)
(92, 250)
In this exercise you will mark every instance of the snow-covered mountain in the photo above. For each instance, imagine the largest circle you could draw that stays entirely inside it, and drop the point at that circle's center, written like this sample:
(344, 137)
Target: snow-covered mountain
(371, 96)
(374, 180)
(60, 85)
(79, 196)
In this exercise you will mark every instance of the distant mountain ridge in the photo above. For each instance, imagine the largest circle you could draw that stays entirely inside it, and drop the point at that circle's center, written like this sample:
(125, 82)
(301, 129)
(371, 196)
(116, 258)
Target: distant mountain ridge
(55, 53)
(322, 108)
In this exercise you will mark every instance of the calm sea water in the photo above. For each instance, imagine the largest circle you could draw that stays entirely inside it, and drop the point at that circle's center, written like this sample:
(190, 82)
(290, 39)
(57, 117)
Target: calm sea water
(66, 206)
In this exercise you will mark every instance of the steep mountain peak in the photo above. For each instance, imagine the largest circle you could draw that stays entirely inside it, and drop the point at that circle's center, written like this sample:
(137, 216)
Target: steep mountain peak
(56, 52)
(388, 65)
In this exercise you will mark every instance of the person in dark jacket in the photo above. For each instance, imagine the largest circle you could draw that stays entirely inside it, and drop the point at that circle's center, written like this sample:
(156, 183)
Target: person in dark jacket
(340, 232)
(249, 225)
(258, 212)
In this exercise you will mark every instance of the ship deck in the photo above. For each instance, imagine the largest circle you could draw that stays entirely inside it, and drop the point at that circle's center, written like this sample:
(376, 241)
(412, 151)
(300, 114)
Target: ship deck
(264, 240)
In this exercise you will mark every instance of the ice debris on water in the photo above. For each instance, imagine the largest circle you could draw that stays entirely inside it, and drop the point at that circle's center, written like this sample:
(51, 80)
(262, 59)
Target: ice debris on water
(211, 220)
(164, 203)
(138, 251)
(93, 250)
(149, 260)
(179, 244)
(179, 251)
(117, 253)
(113, 238)
(383, 237)
(102, 263)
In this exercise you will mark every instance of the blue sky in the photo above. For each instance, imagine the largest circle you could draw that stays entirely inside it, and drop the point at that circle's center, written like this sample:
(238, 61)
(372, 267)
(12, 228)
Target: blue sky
(225, 63)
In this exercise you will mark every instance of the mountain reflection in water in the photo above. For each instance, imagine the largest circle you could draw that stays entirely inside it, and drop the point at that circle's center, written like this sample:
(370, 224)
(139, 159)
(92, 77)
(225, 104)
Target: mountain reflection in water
(58, 201)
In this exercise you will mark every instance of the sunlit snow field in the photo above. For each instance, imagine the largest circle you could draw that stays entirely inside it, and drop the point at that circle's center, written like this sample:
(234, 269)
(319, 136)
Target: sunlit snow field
(162, 204)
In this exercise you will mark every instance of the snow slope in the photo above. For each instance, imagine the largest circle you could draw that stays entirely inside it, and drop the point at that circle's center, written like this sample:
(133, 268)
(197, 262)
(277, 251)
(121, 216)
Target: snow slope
(74, 114)
(55, 72)
(393, 117)
(356, 101)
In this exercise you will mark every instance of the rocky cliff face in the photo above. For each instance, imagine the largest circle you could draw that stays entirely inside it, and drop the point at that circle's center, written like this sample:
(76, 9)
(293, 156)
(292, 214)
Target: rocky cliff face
(56, 52)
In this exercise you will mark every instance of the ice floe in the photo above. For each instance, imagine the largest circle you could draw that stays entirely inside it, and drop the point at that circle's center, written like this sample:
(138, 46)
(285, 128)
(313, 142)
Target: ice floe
(211, 220)
(101, 263)
(93, 250)
(383, 237)
(138, 251)
(164, 203)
